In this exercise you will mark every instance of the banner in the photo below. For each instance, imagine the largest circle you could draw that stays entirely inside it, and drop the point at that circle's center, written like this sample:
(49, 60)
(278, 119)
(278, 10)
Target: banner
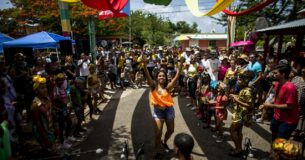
(250, 10)
(218, 7)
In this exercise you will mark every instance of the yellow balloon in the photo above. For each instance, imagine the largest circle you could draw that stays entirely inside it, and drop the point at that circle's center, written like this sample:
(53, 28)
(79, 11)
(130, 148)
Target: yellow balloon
(218, 7)
(70, 1)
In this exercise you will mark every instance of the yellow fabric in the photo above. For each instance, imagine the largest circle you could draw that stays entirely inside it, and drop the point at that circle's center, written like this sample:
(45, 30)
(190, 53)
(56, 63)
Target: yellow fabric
(37, 80)
(70, 1)
(218, 7)
(163, 100)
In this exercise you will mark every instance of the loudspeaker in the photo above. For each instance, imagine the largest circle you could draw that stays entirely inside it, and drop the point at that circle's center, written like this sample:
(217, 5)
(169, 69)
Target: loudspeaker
(65, 48)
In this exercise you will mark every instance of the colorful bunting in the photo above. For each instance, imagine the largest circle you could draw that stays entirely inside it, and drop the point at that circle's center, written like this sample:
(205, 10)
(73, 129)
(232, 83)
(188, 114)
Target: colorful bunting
(158, 2)
(250, 10)
(218, 7)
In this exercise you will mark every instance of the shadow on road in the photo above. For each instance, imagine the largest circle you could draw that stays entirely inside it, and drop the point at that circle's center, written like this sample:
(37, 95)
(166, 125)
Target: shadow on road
(204, 137)
(142, 129)
(100, 137)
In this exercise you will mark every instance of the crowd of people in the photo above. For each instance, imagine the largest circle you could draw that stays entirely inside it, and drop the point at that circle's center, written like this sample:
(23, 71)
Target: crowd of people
(53, 94)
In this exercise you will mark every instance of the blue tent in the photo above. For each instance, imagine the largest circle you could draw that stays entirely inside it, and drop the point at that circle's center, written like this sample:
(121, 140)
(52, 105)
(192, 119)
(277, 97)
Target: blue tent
(4, 38)
(36, 40)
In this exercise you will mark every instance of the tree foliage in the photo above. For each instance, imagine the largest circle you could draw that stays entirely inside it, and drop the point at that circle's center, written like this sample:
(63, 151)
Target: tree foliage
(278, 12)
(145, 27)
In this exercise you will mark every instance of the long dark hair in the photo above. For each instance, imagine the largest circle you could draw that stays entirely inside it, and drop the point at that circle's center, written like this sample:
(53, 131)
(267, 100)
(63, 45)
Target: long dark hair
(166, 79)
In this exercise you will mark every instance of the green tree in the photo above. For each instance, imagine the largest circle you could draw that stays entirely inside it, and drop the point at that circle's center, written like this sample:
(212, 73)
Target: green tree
(145, 27)
(278, 12)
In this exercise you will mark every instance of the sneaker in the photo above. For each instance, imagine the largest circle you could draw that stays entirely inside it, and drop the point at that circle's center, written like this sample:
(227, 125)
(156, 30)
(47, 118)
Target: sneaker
(215, 136)
(193, 108)
(71, 139)
(189, 105)
(77, 135)
(219, 140)
(165, 146)
(259, 120)
(66, 145)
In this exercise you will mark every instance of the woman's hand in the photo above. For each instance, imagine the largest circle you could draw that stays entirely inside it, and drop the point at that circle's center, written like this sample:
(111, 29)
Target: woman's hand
(261, 107)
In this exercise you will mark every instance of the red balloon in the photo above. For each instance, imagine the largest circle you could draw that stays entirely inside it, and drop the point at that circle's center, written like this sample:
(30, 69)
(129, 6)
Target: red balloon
(97, 4)
(117, 5)
(250, 10)
(114, 5)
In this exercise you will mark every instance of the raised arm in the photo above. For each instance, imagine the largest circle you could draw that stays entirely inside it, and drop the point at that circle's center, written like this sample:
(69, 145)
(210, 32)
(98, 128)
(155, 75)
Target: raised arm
(150, 82)
(172, 84)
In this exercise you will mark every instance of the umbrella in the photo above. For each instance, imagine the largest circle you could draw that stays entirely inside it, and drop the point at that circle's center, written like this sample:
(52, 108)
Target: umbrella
(241, 43)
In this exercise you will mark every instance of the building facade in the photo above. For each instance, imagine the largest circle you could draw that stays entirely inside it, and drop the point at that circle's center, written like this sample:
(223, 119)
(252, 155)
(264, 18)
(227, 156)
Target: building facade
(203, 40)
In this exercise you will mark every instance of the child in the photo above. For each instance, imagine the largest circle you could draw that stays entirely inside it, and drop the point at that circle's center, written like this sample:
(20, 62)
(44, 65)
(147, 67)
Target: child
(77, 104)
(242, 114)
(5, 151)
(94, 87)
(204, 94)
(60, 101)
(139, 78)
(221, 111)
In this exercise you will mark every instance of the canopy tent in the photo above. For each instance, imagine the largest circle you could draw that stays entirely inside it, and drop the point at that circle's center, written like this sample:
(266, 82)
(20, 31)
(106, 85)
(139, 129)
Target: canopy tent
(4, 38)
(37, 40)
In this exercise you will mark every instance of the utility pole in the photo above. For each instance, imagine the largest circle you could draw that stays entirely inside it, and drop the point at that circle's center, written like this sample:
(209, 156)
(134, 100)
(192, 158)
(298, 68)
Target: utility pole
(92, 38)
(65, 19)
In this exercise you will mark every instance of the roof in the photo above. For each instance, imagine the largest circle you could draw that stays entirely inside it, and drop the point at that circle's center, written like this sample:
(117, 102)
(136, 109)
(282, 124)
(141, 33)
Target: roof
(4, 38)
(301, 11)
(202, 36)
(290, 25)
(37, 40)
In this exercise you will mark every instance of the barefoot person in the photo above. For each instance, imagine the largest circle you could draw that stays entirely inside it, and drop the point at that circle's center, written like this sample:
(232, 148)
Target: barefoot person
(163, 102)
(242, 112)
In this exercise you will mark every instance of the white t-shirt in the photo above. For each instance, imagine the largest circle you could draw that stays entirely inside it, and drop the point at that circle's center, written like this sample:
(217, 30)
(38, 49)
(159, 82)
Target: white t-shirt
(204, 63)
(187, 57)
(84, 68)
(212, 65)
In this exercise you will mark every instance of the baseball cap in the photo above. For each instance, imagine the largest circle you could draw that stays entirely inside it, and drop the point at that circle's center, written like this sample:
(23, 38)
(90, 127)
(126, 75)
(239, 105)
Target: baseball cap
(243, 57)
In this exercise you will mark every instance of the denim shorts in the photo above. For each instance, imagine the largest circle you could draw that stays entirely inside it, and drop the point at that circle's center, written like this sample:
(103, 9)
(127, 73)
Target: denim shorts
(281, 129)
(166, 114)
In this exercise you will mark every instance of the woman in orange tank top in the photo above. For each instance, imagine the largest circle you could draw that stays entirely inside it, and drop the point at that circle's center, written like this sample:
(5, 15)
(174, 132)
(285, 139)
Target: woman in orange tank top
(163, 102)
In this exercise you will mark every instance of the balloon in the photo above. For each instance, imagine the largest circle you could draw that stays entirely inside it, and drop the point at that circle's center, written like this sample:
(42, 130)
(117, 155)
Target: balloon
(218, 7)
(97, 4)
(250, 10)
(117, 5)
(114, 5)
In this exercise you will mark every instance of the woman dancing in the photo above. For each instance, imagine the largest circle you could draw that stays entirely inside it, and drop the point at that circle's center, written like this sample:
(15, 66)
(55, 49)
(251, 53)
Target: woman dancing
(162, 102)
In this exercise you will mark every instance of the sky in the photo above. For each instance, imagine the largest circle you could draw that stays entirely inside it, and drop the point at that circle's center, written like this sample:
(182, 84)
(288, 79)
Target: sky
(176, 11)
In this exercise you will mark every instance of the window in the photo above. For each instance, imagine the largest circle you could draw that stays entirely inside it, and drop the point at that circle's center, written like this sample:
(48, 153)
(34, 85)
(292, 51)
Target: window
(212, 44)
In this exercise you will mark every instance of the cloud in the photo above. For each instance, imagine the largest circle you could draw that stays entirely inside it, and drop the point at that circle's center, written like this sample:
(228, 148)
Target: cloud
(205, 24)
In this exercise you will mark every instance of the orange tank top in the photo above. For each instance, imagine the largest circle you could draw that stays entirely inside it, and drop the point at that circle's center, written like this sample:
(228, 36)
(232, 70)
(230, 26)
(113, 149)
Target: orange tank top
(163, 100)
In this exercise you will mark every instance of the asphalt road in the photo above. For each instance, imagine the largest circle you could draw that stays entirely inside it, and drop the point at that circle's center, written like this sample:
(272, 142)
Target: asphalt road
(128, 116)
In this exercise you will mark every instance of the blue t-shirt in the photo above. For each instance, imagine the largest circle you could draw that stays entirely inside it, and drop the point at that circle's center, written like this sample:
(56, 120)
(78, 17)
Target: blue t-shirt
(256, 68)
